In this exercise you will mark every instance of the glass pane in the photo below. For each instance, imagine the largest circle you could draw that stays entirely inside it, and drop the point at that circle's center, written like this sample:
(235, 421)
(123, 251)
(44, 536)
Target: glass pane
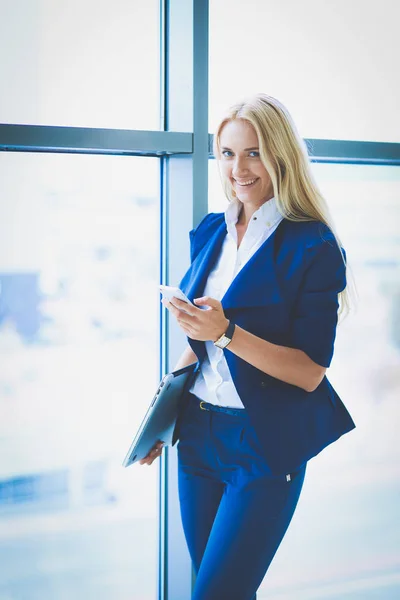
(87, 64)
(79, 328)
(333, 64)
(343, 541)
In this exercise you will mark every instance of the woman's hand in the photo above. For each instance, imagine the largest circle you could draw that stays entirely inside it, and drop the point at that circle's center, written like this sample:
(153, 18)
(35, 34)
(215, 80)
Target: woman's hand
(198, 324)
(153, 454)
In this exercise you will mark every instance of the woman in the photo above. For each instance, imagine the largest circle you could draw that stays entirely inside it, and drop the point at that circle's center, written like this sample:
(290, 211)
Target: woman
(265, 278)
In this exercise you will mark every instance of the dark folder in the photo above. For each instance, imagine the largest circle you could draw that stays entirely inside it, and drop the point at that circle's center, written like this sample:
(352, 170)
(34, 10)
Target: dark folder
(161, 417)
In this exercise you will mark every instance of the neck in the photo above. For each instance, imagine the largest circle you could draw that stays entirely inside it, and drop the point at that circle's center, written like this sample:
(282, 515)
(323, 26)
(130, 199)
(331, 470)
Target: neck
(246, 212)
(244, 219)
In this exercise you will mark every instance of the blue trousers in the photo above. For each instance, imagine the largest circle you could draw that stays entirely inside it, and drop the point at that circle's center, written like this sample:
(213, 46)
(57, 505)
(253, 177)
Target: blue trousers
(234, 511)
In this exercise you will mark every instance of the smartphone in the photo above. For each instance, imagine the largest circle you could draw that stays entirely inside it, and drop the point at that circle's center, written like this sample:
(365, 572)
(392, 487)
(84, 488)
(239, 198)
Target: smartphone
(168, 292)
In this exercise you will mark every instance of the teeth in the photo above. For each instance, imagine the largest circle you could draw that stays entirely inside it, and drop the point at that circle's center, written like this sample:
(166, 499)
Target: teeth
(247, 182)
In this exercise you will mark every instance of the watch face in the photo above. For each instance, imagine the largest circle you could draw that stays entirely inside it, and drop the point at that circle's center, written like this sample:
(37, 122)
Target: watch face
(222, 342)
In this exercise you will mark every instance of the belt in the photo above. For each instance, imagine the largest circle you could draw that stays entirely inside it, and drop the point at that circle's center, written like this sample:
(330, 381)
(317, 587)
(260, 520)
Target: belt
(238, 412)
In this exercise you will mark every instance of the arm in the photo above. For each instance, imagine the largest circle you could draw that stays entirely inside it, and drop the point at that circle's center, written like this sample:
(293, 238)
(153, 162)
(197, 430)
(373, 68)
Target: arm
(187, 358)
(313, 327)
(288, 364)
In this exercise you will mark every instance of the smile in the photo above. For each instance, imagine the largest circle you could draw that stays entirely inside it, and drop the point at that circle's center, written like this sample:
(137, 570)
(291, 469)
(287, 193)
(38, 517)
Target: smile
(247, 183)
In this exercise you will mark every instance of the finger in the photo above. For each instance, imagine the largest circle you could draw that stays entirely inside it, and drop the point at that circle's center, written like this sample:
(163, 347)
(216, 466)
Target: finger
(149, 458)
(183, 324)
(155, 455)
(172, 309)
(180, 312)
(182, 305)
(180, 316)
(184, 309)
(154, 452)
(188, 332)
(166, 303)
(207, 301)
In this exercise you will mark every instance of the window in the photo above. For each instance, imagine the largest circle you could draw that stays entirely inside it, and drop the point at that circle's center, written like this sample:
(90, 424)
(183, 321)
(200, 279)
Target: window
(79, 267)
(333, 64)
(76, 63)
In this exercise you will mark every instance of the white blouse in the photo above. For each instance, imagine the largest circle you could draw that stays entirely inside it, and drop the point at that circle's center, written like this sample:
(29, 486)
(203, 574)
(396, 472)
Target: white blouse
(214, 382)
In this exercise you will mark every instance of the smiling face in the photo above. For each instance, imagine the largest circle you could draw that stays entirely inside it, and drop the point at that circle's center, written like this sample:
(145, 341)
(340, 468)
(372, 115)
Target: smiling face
(241, 164)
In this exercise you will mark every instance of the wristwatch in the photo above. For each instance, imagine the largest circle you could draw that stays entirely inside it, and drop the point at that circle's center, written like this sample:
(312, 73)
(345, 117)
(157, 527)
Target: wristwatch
(226, 337)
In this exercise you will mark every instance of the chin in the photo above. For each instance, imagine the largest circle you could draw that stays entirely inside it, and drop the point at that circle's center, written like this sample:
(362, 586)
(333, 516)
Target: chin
(248, 198)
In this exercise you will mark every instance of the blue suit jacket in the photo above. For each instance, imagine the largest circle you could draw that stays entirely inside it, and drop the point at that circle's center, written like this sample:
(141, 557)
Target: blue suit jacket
(286, 294)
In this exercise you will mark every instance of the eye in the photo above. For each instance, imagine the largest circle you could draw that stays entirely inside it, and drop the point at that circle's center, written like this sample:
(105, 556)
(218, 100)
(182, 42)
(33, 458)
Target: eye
(255, 153)
(227, 153)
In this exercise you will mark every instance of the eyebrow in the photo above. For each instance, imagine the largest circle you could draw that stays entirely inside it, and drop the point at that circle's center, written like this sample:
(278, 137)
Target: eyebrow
(246, 149)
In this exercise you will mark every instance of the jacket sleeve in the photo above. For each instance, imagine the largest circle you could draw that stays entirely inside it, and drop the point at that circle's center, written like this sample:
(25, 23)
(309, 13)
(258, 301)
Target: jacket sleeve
(316, 309)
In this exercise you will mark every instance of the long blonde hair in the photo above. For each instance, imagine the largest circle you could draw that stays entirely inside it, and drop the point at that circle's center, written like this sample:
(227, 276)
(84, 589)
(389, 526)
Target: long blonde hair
(284, 155)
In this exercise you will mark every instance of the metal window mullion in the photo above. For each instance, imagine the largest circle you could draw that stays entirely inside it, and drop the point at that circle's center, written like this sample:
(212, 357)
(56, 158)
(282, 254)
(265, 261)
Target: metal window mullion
(346, 151)
(47, 138)
(185, 201)
(353, 152)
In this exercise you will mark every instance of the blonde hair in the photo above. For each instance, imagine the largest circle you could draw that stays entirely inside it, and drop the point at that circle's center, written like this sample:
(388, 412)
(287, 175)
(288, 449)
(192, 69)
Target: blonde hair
(284, 155)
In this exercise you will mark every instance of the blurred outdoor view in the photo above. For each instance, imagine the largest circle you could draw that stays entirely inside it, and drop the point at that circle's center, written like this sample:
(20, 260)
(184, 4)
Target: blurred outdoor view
(79, 331)
(79, 305)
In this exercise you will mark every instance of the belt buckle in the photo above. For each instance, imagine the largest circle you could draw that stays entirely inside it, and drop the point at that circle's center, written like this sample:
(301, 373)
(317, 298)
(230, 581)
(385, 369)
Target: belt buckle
(202, 407)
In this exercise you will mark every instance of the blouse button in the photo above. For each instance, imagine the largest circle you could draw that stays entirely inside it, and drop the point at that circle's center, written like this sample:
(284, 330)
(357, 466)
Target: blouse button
(263, 384)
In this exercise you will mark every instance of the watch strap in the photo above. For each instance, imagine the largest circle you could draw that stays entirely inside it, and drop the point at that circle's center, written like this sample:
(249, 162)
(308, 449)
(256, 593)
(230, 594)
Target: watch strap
(227, 335)
(230, 330)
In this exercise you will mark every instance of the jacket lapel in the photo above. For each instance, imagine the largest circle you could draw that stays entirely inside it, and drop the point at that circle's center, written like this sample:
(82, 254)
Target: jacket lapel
(194, 282)
(257, 282)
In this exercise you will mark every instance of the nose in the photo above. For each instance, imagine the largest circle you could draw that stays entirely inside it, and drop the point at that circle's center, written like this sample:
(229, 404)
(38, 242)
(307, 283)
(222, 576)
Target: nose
(239, 167)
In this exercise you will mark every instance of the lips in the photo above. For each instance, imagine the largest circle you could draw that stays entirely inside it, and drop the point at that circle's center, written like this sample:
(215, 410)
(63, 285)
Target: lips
(244, 185)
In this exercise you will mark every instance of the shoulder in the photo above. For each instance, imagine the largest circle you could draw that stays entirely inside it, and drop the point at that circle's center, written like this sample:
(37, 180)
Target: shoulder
(309, 233)
(311, 238)
(309, 250)
(200, 235)
(209, 222)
